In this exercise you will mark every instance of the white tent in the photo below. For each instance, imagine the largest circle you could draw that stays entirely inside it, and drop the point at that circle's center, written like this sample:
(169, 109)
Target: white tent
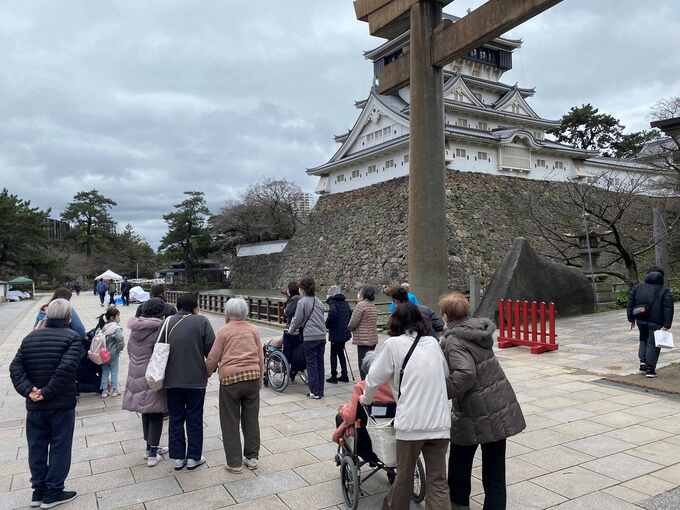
(109, 275)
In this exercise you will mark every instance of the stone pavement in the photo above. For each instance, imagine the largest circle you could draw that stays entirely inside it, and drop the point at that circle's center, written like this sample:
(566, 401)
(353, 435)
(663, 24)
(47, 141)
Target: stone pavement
(587, 446)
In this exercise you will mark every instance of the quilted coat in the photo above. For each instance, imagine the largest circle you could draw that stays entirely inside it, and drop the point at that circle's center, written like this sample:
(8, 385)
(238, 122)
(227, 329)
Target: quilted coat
(138, 397)
(485, 408)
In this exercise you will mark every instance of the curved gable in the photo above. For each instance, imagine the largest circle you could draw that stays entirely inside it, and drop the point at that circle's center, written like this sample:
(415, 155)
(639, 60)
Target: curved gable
(513, 102)
(457, 90)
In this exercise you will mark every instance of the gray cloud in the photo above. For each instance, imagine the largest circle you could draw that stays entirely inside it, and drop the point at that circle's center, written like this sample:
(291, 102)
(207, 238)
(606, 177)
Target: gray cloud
(144, 100)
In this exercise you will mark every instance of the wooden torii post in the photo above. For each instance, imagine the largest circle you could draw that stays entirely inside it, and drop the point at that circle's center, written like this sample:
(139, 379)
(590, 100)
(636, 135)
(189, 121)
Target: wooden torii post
(433, 44)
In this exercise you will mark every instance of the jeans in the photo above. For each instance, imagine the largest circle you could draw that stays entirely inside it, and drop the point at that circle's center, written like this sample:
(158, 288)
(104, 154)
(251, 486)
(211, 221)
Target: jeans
(493, 474)
(648, 351)
(152, 425)
(434, 454)
(185, 406)
(102, 297)
(338, 353)
(126, 298)
(362, 350)
(314, 351)
(240, 405)
(50, 438)
(110, 369)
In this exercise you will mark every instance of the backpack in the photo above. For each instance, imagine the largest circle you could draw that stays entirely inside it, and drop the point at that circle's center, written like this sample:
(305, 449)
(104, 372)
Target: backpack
(98, 352)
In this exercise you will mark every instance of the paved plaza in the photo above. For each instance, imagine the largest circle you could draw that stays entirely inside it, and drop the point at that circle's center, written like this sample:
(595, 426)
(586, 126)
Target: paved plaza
(588, 445)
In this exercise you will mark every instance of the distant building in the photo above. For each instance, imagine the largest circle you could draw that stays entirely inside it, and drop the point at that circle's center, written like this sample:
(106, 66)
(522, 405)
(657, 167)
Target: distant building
(57, 230)
(302, 204)
(206, 270)
(669, 126)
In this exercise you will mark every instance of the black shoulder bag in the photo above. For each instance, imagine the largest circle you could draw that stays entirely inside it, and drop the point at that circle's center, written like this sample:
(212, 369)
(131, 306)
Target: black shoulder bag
(403, 365)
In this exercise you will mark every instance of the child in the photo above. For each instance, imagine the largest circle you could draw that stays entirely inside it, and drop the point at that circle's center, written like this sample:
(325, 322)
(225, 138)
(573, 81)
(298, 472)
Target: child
(115, 343)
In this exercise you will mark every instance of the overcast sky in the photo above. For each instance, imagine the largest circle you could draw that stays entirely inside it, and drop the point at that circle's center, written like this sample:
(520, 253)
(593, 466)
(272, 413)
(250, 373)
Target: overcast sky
(145, 99)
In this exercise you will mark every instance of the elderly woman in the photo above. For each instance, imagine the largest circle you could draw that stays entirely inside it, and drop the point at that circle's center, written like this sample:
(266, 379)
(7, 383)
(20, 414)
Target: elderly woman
(237, 353)
(364, 325)
(349, 412)
(412, 362)
(485, 408)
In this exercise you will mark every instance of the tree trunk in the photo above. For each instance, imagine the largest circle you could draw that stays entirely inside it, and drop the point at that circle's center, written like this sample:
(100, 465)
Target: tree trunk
(660, 237)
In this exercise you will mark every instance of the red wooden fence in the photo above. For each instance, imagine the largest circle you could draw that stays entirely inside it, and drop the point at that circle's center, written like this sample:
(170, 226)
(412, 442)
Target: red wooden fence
(523, 323)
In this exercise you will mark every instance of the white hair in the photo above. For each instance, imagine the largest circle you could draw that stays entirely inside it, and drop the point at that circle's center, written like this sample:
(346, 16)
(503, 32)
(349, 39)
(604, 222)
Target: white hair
(59, 309)
(368, 361)
(237, 309)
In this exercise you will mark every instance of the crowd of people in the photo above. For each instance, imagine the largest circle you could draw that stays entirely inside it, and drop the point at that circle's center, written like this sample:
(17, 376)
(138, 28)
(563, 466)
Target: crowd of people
(438, 367)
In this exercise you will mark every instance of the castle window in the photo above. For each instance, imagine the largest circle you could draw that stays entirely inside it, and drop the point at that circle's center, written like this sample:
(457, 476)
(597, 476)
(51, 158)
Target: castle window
(460, 153)
(483, 126)
(369, 137)
(340, 178)
(386, 132)
(372, 169)
(559, 165)
(462, 122)
(482, 156)
(541, 163)
(378, 135)
(356, 174)
(389, 163)
(406, 158)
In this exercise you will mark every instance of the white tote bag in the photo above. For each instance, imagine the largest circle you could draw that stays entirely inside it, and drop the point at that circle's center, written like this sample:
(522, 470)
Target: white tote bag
(663, 339)
(155, 370)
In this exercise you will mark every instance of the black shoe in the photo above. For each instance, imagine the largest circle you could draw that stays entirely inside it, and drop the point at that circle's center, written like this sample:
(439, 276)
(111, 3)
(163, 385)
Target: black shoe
(643, 368)
(651, 373)
(37, 498)
(58, 499)
(343, 378)
(332, 380)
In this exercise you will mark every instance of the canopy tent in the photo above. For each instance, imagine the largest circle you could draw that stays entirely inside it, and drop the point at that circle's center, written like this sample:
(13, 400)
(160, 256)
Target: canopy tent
(23, 281)
(109, 275)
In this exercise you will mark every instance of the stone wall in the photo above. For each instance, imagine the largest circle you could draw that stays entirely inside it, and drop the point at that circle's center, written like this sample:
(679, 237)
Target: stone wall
(360, 237)
(256, 272)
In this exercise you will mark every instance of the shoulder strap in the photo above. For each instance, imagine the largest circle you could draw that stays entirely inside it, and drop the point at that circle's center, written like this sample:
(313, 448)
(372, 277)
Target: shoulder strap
(163, 329)
(169, 332)
(403, 365)
(309, 317)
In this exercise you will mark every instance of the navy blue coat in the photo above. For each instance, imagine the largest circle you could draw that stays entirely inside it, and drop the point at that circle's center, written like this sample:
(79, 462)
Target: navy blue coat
(657, 298)
(339, 314)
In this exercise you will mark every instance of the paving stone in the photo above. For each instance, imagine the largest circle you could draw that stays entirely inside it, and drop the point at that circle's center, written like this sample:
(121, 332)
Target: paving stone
(599, 446)
(599, 501)
(283, 461)
(661, 452)
(268, 503)
(113, 437)
(16, 499)
(143, 473)
(539, 439)
(618, 419)
(317, 473)
(137, 493)
(626, 494)
(264, 485)
(323, 452)
(670, 474)
(78, 469)
(529, 496)
(297, 442)
(117, 462)
(315, 497)
(556, 458)
(574, 482)
(82, 502)
(599, 407)
(638, 434)
(567, 414)
(210, 498)
(6, 483)
(649, 484)
(622, 467)
(104, 481)
(667, 501)
(201, 478)
(581, 428)
(669, 424)
(653, 410)
(516, 470)
(96, 452)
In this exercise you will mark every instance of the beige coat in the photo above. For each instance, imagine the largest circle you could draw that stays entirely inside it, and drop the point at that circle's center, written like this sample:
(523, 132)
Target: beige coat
(364, 324)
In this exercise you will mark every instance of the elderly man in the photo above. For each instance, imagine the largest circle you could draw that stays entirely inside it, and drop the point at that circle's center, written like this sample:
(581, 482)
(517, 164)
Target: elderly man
(44, 372)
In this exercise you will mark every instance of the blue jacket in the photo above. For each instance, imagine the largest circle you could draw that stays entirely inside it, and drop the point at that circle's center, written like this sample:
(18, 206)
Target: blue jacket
(411, 297)
(102, 287)
(76, 324)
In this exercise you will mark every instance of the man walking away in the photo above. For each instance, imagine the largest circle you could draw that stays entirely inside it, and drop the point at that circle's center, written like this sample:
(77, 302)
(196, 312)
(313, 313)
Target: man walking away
(44, 372)
(650, 306)
(102, 289)
(125, 291)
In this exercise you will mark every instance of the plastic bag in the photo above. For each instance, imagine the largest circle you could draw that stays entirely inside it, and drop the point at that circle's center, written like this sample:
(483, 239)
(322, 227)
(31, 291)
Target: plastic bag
(663, 339)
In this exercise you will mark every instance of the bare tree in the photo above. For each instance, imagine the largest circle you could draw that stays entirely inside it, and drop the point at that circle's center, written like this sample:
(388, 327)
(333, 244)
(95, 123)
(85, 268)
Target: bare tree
(666, 108)
(616, 209)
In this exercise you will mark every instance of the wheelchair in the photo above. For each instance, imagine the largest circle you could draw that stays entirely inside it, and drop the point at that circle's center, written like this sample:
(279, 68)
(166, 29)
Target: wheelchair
(355, 453)
(281, 365)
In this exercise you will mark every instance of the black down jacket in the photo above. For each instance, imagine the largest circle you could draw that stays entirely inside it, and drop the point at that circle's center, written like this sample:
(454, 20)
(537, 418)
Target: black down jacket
(657, 298)
(48, 359)
(339, 314)
(485, 408)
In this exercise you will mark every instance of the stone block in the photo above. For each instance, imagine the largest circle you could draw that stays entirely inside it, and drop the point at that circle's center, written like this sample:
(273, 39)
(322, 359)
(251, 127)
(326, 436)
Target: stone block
(574, 482)
(210, 498)
(264, 485)
(137, 493)
(199, 479)
(599, 500)
(622, 467)
(556, 458)
(314, 497)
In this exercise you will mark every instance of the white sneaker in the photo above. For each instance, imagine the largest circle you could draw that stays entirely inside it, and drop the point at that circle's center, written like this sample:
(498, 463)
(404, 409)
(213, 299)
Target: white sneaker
(179, 464)
(250, 463)
(162, 452)
(153, 461)
(236, 470)
(105, 394)
(193, 464)
(115, 393)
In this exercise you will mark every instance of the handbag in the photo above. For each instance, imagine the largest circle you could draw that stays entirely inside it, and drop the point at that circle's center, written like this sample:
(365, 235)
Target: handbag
(155, 370)
(663, 339)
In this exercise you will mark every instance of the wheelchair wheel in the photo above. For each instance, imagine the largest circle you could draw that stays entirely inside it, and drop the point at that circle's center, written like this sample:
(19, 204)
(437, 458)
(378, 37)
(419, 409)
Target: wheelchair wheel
(349, 477)
(277, 371)
(419, 483)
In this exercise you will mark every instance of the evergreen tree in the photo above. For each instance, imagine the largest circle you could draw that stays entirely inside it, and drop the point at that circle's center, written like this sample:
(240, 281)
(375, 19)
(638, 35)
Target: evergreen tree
(89, 211)
(586, 128)
(188, 238)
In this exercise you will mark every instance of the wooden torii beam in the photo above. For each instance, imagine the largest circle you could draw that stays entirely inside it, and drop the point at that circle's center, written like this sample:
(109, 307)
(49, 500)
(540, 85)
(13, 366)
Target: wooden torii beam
(432, 45)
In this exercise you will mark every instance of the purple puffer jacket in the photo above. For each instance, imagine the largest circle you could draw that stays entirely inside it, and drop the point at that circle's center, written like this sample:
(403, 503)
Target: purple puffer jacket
(138, 396)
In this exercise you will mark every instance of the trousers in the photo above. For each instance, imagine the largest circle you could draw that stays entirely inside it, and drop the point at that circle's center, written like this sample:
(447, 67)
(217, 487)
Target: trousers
(314, 351)
(50, 438)
(493, 474)
(240, 405)
(362, 350)
(185, 408)
(110, 370)
(152, 425)
(648, 352)
(338, 354)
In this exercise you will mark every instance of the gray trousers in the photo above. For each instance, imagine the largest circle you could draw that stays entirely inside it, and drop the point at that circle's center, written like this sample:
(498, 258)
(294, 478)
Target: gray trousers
(240, 405)
(648, 351)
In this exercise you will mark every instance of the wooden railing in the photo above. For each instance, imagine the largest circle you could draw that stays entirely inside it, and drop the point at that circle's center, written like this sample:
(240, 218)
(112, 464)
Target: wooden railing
(268, 310)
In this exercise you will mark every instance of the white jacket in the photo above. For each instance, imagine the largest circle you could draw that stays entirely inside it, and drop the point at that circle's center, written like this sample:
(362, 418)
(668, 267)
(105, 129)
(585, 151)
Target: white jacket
(423, 410)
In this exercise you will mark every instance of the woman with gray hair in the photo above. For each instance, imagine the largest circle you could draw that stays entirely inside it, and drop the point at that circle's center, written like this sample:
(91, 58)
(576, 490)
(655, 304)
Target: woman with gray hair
(237, 353)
